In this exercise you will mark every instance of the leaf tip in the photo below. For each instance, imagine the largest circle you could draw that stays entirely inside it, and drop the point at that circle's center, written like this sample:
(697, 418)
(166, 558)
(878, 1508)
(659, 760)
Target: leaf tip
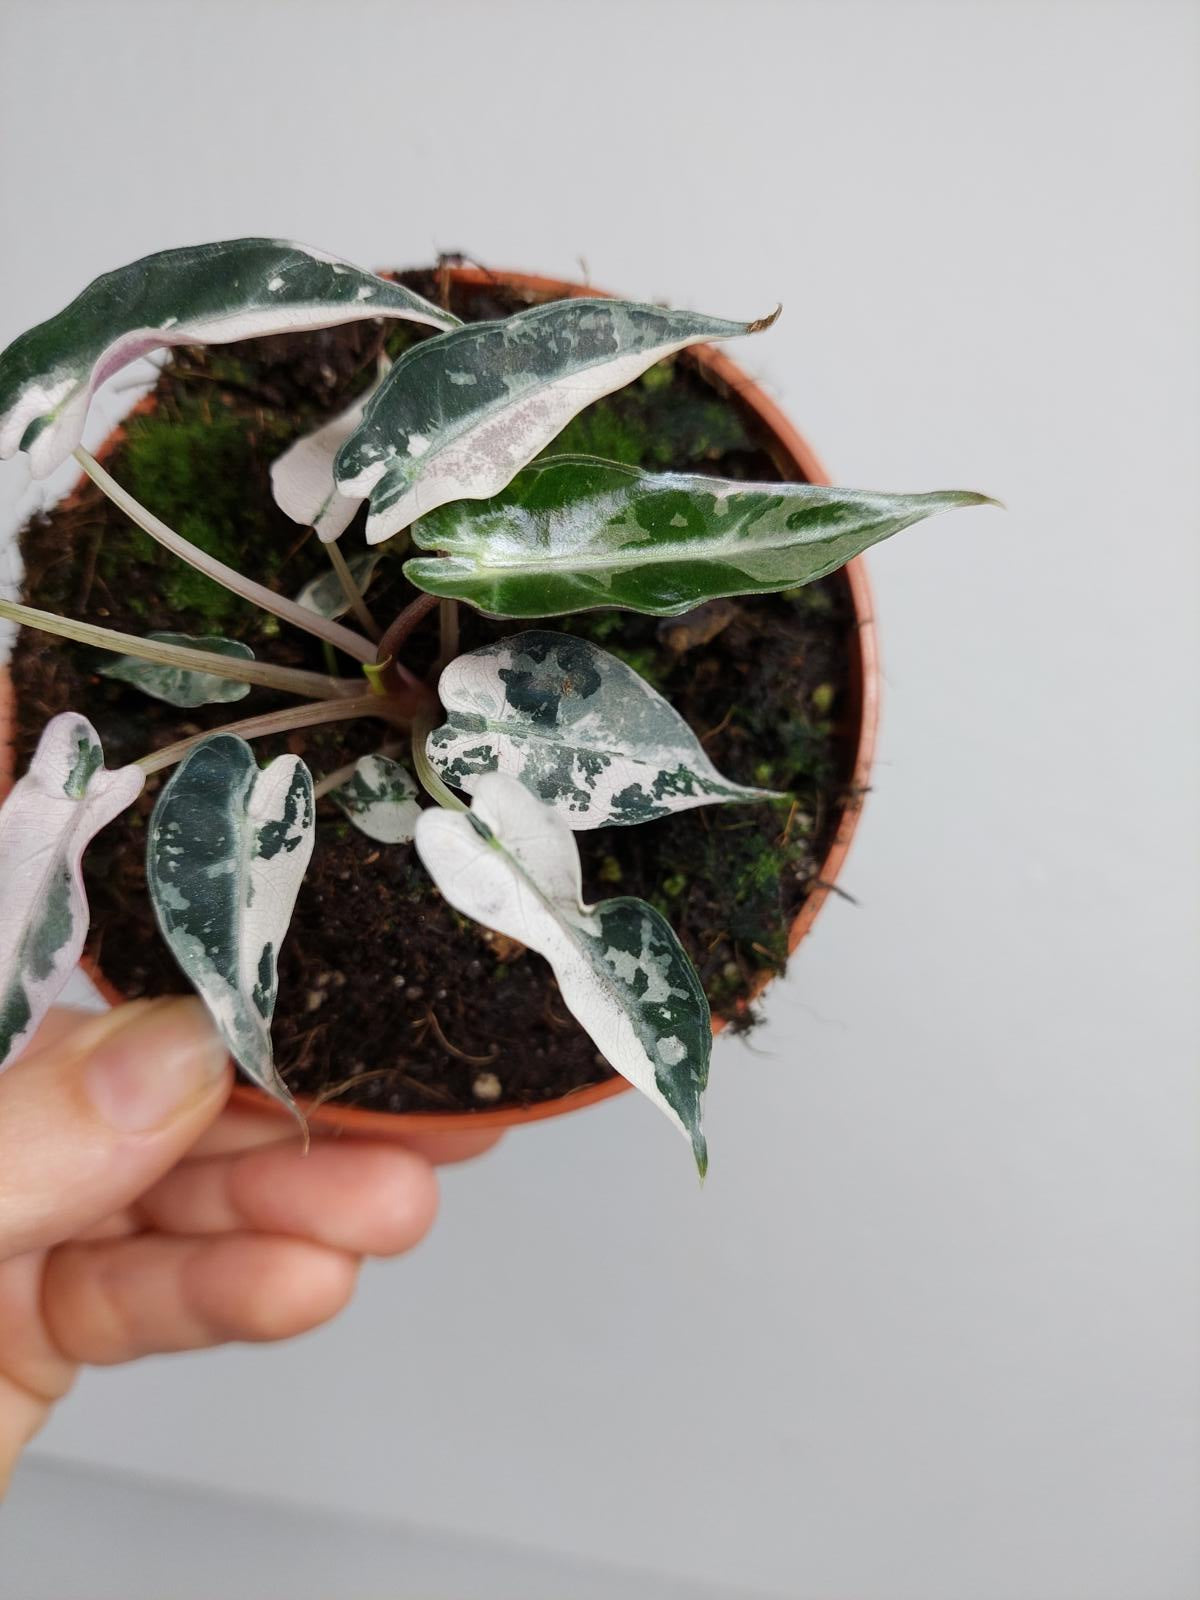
(700, 1151)
(760, 324)
(961, 499)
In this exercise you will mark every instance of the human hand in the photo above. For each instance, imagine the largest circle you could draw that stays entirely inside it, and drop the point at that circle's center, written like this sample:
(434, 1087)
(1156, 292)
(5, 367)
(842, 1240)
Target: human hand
(139, 1216)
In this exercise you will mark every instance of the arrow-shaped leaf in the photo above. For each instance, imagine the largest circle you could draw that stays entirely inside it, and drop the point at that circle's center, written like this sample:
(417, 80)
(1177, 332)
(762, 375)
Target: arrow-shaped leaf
(201, 294)
(326, 596)
(47, 822)
(380, 799)
(572, 532)
(512, 864)
(176, 685)
(229, 843)
(578, 727)
(302, 477)
(460, 414)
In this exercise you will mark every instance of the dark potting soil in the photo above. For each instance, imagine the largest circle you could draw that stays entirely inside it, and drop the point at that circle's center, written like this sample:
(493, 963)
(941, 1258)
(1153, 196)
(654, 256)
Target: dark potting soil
(383, 989)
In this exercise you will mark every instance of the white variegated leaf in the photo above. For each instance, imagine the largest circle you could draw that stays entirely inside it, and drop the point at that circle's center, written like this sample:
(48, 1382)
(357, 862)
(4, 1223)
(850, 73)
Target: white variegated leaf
(176, 685)
(580, 729)
(458, 415)
(512, 864)
(572, 532)
(302, 477)
(46, 824)
(326, 596)
(228, 847)
(380, 800)
(200, 294)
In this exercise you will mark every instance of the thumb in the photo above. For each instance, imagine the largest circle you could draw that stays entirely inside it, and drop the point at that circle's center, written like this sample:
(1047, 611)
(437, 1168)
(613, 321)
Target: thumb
(91, 1117)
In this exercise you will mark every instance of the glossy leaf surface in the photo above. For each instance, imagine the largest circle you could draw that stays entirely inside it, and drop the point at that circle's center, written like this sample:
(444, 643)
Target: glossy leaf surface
(380, 799)
(228, 846)
(176, 685)
(302, 477)
(572, 533)
(48, 820)
(325, 594)
(200, 294)
(580, 729)
(512, 864)
(458, 415)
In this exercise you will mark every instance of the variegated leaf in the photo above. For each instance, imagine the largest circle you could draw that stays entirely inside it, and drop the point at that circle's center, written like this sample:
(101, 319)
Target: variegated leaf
(302, 477)
(512, 864)
(578, 727)
(572, 532)
(459, 415)
(229, 843)
(201, 294)
(176, 685)
(325, 594)
(47, 822)
(380, 800)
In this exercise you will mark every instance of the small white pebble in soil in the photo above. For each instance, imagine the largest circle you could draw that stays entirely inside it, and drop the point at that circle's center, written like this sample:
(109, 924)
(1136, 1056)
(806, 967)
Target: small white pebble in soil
(487, 1086)
(399, 981)
(314, 1000)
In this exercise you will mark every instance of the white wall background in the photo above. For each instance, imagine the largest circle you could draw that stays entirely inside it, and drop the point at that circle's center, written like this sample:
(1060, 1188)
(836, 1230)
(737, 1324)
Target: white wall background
(930, 1331)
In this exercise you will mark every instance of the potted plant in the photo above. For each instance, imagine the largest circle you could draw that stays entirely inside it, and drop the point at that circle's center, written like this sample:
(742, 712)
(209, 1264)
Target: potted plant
(462, 711)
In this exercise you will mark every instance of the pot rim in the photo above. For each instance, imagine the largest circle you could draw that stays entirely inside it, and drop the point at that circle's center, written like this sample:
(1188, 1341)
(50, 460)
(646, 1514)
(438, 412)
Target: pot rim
(795, 457)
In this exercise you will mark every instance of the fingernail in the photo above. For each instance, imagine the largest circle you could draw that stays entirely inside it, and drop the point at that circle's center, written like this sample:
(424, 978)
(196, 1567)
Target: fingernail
(151, 1062)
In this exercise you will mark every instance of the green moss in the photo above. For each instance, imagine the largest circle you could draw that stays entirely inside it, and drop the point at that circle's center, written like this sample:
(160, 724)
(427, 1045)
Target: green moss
(659, 377)
(398, 340)
(603, 431)
(656, 423)
(197, 473)
(813, 598)
(226, 368)
(598, 626)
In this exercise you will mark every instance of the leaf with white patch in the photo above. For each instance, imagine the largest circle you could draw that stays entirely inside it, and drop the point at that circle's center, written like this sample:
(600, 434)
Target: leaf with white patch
(580, 729)
(201, 294)
(47, 822)
(458, 415)
(512, 864)
(176, 685)
(380, 799)
(228, 846)
(572, 532)
(302, 477)
(325, 594)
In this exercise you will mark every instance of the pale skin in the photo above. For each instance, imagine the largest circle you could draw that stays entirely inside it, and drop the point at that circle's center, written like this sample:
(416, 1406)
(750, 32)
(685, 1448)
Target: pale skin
(139, 1214)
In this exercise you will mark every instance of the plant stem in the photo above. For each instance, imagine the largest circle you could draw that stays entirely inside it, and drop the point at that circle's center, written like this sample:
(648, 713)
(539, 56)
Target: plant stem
(358, 605)
(350, 643)
(422, 726)
(306, 716)
(448, 625)
(290, 680)
(398, 631)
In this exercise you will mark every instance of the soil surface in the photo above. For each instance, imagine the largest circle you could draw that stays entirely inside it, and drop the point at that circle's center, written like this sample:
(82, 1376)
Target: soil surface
(385, 994)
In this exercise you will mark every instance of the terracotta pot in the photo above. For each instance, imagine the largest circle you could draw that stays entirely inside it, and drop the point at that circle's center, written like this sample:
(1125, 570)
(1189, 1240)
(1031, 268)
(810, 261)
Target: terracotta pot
(796, 462)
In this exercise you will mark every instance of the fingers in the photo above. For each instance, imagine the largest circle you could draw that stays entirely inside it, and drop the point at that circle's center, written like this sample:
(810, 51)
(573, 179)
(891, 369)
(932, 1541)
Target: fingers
(447, 1149)
(114, 1301)
(94, 1114)
(240, 1129)
(367, 1199)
